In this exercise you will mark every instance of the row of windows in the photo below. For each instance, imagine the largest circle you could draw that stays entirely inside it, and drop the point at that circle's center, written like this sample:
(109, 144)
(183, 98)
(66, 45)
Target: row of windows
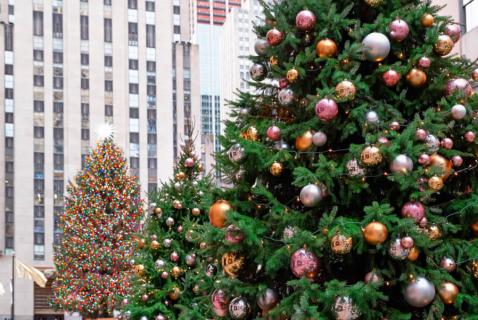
(133, 4)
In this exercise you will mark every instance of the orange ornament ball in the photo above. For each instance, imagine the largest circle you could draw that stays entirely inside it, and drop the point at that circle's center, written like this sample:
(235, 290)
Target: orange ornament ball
(375, 233)
(416, 78)
(413, 254)
(427, 20)
(217, 213)
(474, 227)
(304, 142)
(440, 162)
(326, 48)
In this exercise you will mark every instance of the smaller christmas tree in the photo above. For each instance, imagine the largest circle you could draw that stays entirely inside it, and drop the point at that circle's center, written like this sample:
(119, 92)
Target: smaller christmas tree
(93, 260)
(166, 261)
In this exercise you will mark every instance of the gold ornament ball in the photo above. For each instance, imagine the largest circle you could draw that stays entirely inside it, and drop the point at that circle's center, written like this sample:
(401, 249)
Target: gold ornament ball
(345, 90)
(444, 45)
(195, 212)
(273, 60)
(176, 272)
(217, 213)
(139, 269)
(292, 75)
(473, 267)
(474, 227)
(158, 211)
(427, 20)
(326, 48)
(436, 183)
(232, 263)
(446, 166)
(155, 245)
(375, 233)
(416, 78)
(413, 254)
(448, 292)
(180, 176)
(304, 142)
(251, 134)
(371, 156)
(433, 232)
(174, 294)
(276, 169)
(374, 3)
(341, 244)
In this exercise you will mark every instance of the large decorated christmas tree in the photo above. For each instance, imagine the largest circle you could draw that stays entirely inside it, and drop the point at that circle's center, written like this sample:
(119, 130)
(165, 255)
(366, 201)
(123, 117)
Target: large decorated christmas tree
(166, 259)
(93, 260)
(354, 169)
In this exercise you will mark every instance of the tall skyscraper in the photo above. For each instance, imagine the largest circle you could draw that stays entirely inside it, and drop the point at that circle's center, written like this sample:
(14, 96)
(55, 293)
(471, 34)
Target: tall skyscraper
(68, 68)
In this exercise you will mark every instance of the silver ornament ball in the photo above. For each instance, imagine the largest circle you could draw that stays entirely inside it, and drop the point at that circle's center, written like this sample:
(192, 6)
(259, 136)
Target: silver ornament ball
(432, 143)
(345, 309)
(258, 72)
(402, 164)
(160, 263)
(311, 195)
(167, 243)
(170, 222)
(419, 292)
(458, 112)
(448, 264)
(190, 259)
(239, 308)
(236, 153)
(160, 317)
(376, 46)
(268, 299)
(260, 47)
(372, 117)
(319, 139)
(286, 97)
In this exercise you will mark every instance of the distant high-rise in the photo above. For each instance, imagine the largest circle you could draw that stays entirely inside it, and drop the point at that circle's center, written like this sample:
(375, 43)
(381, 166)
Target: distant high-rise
(68, 68)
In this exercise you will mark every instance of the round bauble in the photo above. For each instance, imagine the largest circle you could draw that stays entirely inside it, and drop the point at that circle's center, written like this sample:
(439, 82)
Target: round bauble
(458, 112)
(167, 243)
(432, 143)
(258, 72)
(345, 90)
(251, 134)
(160, 263)
(326, 48)
(375, 233)
(391, 78)
(374, 3)
(273, 60)
(433, 232)
(190, 260)
(371, 156)
(177, 204)
(144, 297)
(470, 136)
(195, 212)
(160, 317)
(474, 75)
(211, 270)
(319, 139)
(180, 176)
(274, 133)
(304, 142)
(440, 166)
(155, 245)
(402, 164)
(474, 227)
(311, 195)
(447, 143)
(341, 244)
(376, 46)
(419, 292)
(292, 75)
(286, 97)
(397, 251)
(407, 242)
(304, 263)
(276, 169)
(416, 78)
(459, 85)
(218, 212)
(170, 221)
(174, 294)
(326, 109)
(305, 20)
(371, 117)
(354, 169)
(424, 63)
(399, 30)
(189, 162)
(220, 302)
(234, 235)
(427, 20)
(289, 232)
(414, 210)
(274, 37)
(448, 292)
(448, 264)
(260, 47)
(139, 269)
(453, 31)
(268, 299)
(373, 277)
(413, 254)
(421, 134)
(444, 45)
(158, 212)
(394, 126)
(174, 256)
(239, 308)
(345, 309)
(236, 153)
(232, 263)
(164, 275)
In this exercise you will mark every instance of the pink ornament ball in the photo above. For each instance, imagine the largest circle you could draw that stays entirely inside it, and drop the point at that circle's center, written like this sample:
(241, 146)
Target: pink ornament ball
(407, 242)
(219, 302)
(424, 159)
(174, 256)
(305, 20)
(423, 223)
(394, 126)
(414, 210)
(283, 83)
(327, 110)
(453, 31)
(234, 235)
(304, 263)
(399, 30)
(189, 162)
(421, 134)
(391, 78)
(274, 37)
(458, 85)
(457, 161)
(274, 133)
(384, 141)
(164, 275)
(424, 63)
(447, 143)
(470, 136)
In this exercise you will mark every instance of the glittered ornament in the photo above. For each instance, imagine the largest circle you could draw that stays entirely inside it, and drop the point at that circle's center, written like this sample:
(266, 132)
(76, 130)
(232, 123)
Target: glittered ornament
(232, 263)
(374, 3)
(354, 169)
(220, 302)
(239, 308)
(236, 153)
(413, 254)
(407, 242)
(432, 143)
(189, 162)
(251, 134)
(371, 156)
(304, 141)
(444, 45)
(414, 210)
(345, 309)
(258, 72)
(292, 75)
(319, 139)
(397, 251)
(402, 164)
(274, 37)
(427, 20)
(448, 292)
(459, 85)
(260, 47)
(448, 264)
(399, 30)
(341, 244)
(139, 269)
(326, 48)
(433, 232)
(311, 195)
(416, 78)
(453, 31)
(286, 97)
(375, 233)
(473, 268)
(376, 46)
(305, 20)
(234, 235)
(195, 212)
(470, 136)
(440, 166)
(419, 293)
(268, 299)
(345, 90)
(458, 112)
(218, 212)
(373, 277)
(371, 117)
(289, 232)
(326, 109)
(391, 78)
(424, 63)
(276, 169)
(304, 263)
(274, 133)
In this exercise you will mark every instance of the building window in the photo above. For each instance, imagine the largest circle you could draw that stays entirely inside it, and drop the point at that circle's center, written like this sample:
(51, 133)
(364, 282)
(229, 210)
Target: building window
(57, 57)
(9, 167)
(39, 132)
(57, 25)
(38, 106)
(38, 55)
(109, 85)
(471, 10)
(38, 81)
(176, 9)
(58, 187)
(134, 163)
(151, 66)
(85, 83)
(38, 23)
(58, 82)
(58, 107)
(133, 64)
(84, 27)
(85, 111)
(150, 36)
(85, 59)
(133, 88)
(132, 31)
(152, 163)
(152, 139)
(8, 37)
(149, 6)
(9, 192)
(108, 61)
(177, 29)
(108, 110)
(132, 4)
(151, 90)
(108, 26)
(9, 69)
(58, 161)
(107, 2)
(39, 186)
(8, 117)
(134, 113)
(39, 162)
(9, 142)
(134, 137)
(8, 93)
